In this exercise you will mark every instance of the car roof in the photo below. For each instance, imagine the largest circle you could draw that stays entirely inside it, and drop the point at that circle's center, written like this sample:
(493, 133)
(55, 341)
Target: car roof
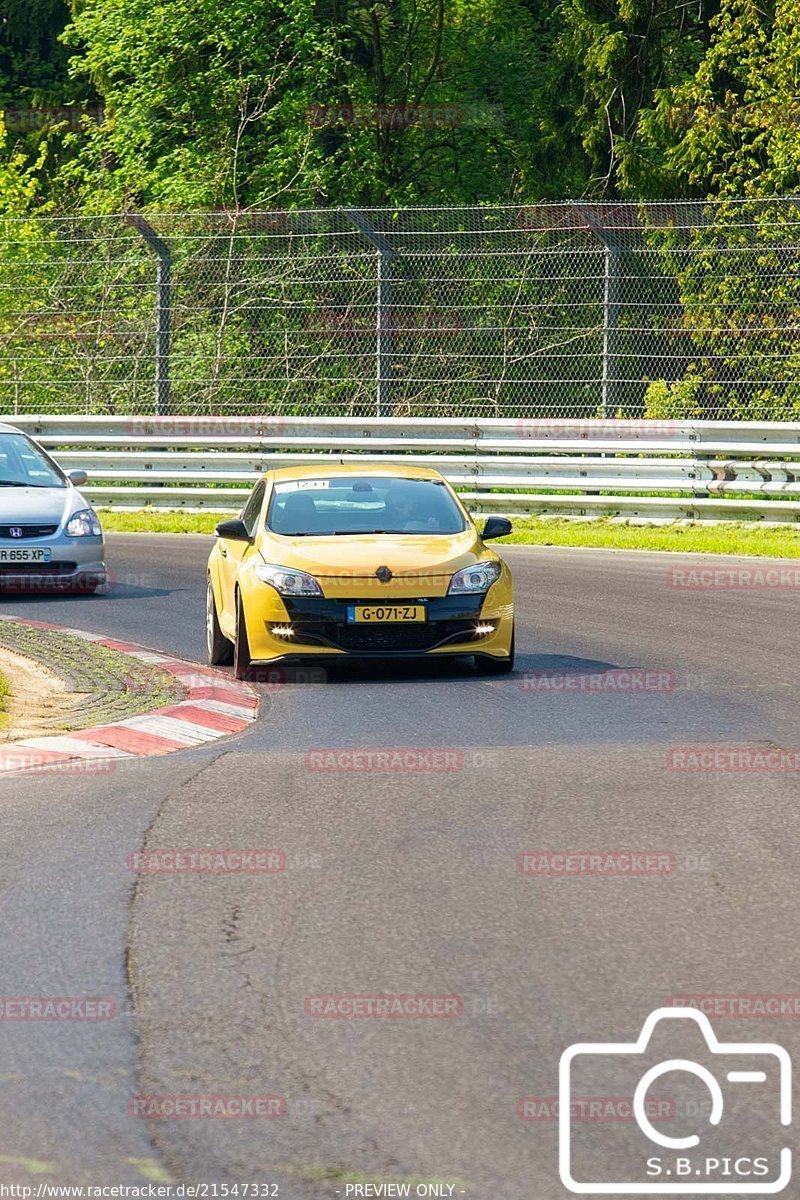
(324, 471)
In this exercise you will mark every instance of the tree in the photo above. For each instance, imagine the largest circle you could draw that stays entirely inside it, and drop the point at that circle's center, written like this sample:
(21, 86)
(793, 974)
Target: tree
(205, 102)
(732, 129)
(615, 58)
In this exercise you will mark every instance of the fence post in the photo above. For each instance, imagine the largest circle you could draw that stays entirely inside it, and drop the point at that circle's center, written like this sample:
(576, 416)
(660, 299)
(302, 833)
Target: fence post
(383, 343)
(163, 307)
(609, 403)
(611, 289)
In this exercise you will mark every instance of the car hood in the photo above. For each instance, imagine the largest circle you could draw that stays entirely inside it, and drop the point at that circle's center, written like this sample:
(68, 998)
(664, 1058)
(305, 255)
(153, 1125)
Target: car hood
(40, 505)
(360, 555)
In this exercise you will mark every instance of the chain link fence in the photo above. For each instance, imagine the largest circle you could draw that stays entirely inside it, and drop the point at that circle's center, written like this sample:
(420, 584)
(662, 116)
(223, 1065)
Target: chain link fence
(662, 310)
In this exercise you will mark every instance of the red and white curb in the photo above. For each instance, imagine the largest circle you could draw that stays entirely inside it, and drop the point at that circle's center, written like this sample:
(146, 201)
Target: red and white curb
(216, 706)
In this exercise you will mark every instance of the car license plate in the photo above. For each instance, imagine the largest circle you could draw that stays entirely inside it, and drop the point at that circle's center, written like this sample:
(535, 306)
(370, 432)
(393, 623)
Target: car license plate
(27, 555)
(386, 614)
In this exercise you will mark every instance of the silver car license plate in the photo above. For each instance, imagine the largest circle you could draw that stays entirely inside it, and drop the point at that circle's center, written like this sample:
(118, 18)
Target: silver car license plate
(28, 554)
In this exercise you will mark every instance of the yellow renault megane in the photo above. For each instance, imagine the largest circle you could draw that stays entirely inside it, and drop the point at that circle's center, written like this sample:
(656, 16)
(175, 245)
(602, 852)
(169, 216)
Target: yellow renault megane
(358, 561)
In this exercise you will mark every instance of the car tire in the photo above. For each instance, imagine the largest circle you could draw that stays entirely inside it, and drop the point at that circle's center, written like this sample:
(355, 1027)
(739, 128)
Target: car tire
(219, 649)
(241, 650)
(484, 665)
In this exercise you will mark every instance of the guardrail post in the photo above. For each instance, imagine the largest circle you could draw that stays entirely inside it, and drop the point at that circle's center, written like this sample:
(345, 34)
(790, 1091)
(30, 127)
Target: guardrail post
(383, 344)
(163, 308)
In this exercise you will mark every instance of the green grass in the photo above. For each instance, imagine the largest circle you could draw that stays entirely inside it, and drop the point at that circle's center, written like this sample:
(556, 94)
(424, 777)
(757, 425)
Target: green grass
(150, 520)
(5, 692)
(690, 537)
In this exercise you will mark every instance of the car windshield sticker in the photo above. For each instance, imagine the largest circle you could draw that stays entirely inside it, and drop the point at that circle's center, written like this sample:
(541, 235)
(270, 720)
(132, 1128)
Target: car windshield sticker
(301, 485)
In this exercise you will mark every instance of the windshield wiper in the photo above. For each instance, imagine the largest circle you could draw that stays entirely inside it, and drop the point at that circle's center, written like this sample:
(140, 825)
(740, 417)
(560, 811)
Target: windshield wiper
(350, 532)
(341, 532)
(17, 483)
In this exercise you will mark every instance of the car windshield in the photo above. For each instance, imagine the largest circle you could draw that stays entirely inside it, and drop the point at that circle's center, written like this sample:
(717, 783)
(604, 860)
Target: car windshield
(22, 464)
(362, 504)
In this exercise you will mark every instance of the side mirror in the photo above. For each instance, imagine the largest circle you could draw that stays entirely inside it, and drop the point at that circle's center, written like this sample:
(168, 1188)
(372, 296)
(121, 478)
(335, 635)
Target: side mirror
(234, 530)
(496, 527)
(77, 478)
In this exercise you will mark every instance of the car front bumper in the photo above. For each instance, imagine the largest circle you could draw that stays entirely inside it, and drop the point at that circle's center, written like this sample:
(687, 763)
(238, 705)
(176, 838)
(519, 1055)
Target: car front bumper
(320, 629)
(77, 564)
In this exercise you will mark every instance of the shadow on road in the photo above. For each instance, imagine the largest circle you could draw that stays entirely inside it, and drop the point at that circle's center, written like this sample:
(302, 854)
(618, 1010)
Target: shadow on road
(456, 670)
(116, 591)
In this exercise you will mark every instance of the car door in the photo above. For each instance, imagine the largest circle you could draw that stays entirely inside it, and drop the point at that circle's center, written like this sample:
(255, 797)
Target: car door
(232, 553)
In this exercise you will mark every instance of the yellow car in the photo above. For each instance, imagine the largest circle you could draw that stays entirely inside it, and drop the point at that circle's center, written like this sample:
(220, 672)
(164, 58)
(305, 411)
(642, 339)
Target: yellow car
(359, 562)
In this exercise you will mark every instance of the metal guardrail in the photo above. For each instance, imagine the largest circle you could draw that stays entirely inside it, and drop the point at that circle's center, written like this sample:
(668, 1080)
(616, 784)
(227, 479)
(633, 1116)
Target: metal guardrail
(715, 470)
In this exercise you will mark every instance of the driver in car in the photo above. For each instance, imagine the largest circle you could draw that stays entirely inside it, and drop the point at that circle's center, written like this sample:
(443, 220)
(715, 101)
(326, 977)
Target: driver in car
(404, 516)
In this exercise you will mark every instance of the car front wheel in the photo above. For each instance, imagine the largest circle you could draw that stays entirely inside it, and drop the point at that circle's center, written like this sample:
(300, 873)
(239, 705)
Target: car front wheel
(241, 650)
(220, 650)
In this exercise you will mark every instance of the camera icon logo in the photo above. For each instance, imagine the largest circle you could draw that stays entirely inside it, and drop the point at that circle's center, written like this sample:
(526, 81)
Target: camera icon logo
(745, 1091)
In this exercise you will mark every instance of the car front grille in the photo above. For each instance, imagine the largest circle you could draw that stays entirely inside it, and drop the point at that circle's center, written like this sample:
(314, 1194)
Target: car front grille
(323, 622)
(384, 639)
(51, 568)
(28, 531)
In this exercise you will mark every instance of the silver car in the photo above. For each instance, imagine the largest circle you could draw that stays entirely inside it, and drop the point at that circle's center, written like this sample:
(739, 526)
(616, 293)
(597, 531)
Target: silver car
(50, 536)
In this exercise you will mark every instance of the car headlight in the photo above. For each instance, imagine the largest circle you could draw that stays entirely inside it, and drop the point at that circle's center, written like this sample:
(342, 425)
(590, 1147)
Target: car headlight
(288, 582)
(474, 579)
(84, 524)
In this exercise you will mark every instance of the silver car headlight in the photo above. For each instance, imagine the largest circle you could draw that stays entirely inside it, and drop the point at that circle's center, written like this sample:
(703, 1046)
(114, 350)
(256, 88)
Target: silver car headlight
(475, 579)
(288, 582)
(84, 524)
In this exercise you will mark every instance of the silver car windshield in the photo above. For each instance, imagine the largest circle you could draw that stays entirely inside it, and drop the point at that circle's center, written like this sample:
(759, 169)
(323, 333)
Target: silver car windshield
(22, 464)
(367, 504)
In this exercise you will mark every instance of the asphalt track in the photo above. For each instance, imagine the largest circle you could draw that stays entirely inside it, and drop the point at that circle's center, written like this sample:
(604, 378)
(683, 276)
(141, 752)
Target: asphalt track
(403, 881)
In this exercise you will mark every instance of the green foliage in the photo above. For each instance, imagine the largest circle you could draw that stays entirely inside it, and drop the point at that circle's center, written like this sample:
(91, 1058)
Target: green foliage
(676, 401)
(236, 105)
(227, 104)
(731, 129)
(739, 289)
(614, 58)
(33, 62)
(231, 105)
(204, 102)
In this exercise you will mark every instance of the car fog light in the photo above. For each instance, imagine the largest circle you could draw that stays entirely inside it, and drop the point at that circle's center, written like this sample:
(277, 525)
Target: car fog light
(283, 631)
(482, 630)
